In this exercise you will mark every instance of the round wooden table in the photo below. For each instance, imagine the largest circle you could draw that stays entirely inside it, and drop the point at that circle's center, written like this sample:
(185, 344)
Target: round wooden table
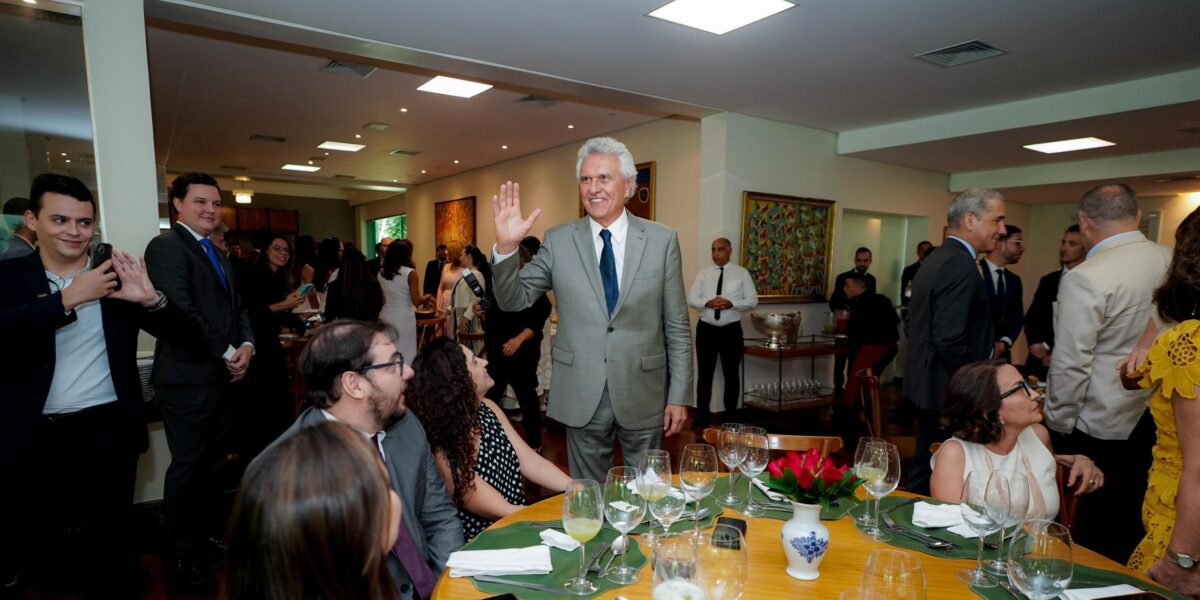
(841, 570)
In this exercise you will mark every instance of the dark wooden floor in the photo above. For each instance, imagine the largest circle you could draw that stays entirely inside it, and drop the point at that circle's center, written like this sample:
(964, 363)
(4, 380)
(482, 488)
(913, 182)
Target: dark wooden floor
(814, 422)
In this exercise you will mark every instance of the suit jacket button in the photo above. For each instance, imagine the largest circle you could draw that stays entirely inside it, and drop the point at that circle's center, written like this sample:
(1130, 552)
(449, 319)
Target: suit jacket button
(610, 329)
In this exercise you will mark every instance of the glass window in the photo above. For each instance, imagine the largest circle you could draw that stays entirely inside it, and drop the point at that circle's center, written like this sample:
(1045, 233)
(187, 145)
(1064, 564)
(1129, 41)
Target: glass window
(388, 227)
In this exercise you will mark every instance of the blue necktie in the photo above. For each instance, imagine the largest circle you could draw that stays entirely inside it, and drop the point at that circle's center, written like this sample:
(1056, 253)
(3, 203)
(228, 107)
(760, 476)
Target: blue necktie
(608, 271)
(216, 262)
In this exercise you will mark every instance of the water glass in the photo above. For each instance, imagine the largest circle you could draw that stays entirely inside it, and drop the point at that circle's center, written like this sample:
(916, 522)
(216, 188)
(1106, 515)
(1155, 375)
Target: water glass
(863, 519)
(1039, 560)
(881, 469)
(984, 508)
(1019, 500)
(758, 454)
(624, 509)
(666, 509)
(732, 453)
(698, 475)
(724, 562)
(677, 572)
(894, 575)
(654, 480)
(583, 514)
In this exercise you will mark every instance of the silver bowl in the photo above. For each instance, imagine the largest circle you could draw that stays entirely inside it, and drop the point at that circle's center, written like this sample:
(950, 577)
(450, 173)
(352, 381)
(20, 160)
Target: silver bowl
(777, 326)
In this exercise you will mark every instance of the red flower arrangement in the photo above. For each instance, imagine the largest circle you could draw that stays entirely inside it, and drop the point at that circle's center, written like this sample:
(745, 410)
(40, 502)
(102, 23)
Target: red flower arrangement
(808, 478)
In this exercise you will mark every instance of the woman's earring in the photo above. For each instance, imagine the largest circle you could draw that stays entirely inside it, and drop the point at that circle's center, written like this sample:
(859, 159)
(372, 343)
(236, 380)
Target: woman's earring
(1001, 419)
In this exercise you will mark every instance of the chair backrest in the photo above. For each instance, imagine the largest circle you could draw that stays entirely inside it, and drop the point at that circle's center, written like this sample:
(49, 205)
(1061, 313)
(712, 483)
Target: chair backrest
(826, 444)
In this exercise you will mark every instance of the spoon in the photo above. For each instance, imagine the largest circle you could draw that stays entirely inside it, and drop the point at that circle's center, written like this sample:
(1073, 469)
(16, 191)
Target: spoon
(619, 546)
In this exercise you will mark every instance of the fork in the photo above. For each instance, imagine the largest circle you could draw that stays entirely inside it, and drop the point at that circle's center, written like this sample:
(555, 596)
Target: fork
(929, 540)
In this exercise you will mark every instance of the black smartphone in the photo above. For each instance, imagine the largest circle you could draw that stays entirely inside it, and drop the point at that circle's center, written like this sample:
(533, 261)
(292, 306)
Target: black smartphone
(723, 538)
(104, 252)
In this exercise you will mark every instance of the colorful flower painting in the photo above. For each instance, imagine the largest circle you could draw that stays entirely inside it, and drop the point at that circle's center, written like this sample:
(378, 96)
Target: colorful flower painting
(786, 246)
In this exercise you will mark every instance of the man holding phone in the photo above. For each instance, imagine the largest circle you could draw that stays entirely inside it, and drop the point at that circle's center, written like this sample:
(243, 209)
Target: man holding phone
(71, 416)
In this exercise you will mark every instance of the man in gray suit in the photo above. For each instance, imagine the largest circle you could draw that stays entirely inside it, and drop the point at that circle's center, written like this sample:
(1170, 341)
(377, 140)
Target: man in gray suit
(354, 374)
(623, 354)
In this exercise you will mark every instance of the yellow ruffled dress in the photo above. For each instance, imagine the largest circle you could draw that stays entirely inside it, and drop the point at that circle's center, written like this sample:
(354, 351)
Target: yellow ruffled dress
(1173, 368)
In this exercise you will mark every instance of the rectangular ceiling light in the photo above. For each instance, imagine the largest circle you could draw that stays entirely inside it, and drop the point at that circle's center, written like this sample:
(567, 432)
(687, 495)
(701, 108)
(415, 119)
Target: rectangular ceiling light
(340, 146)
(305, 168)
(454, 87)
(719, 16)
(1086, 143)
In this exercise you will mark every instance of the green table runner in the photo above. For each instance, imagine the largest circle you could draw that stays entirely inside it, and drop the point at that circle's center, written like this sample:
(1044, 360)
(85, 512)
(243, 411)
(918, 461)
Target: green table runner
(965, 547)
(1085, 577)
(833, 513)
(566, 564)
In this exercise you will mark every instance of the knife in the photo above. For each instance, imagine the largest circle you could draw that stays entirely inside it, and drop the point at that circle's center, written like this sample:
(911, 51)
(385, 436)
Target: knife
(903, 504)
(533, 586)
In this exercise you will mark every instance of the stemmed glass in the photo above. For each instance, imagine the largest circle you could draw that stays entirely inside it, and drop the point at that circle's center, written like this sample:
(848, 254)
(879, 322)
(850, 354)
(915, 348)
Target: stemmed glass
(732, 454)
(724, 562)
(894, 575)
(667, 509)
(654, 481)
(677, 572)
(1039, 560)
(624, 508)
(863, 519)
(984, 508)
(583, 514)
(881, 469)
(758, 454)
(698, 474)
(1018, 508)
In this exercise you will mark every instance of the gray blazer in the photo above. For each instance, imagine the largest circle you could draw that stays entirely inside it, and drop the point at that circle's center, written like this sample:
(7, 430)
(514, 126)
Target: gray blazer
(428, 513)
(643, 353)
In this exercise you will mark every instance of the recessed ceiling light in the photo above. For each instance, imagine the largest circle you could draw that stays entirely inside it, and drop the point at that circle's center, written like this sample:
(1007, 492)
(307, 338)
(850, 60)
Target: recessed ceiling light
(358, 136)
(64, 153)
(570, 127)
(395, 181)
(716, 16)
(1086, 143)
(69, 160)
(505, 147)
(455, 161)
(30, 1)
(422, 171)
(305, 168)
(403, 110)
(310, 162)
(341, 146)
(241, 178)
(454, 87)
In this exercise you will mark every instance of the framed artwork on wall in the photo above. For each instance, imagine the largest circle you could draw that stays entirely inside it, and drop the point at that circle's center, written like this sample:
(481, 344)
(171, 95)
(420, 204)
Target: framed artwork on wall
(454, 223)
(787, 245)
(642, 202)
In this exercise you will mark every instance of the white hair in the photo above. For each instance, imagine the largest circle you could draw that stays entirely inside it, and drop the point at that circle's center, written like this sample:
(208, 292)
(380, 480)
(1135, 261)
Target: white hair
(974, 200)
(611, 147)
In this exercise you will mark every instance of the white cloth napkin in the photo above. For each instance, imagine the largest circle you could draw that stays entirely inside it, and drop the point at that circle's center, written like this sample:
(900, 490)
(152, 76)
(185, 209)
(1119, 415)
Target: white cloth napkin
(558, 539)
(534, 560)
(676, 492)
(1123, 589)
(772, 494)
(942, 515)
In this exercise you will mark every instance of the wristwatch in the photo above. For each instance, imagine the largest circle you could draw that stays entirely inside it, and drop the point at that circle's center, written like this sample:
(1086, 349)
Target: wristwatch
(1183, 561)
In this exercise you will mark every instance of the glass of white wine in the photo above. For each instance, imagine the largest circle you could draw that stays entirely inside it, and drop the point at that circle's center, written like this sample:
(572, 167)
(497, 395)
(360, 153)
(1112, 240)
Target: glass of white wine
(624, 509)
(698, 474)
(881, 469)
(654, 481)
(732, 453)
(758, 454)
(583, 514)
(863, 518)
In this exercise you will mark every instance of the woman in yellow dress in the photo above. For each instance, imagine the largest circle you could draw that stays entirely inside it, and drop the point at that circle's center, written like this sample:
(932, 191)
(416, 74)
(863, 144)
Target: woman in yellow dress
(1171, 365)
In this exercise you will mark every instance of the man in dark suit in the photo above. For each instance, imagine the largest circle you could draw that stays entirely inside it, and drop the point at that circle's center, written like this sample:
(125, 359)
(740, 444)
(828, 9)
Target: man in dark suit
(433, 271)
(910, 272)
(1039, 321)
(71, 412)
(354, 374)
(1004, 290)
(950, 322)
(375, 264)
(839, 301)
(191, 378)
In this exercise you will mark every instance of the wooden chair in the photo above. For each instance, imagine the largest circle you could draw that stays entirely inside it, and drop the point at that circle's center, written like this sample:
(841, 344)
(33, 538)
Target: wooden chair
(868, 396)
(826, 444)
(474, 341)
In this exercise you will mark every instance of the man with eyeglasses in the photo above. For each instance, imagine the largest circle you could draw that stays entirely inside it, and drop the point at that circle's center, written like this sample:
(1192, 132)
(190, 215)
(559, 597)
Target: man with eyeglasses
(354, 374)
(1004, 290)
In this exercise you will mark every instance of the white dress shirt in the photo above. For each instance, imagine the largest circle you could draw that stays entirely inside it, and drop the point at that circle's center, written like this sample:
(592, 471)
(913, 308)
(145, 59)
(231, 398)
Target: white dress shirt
(737, 288)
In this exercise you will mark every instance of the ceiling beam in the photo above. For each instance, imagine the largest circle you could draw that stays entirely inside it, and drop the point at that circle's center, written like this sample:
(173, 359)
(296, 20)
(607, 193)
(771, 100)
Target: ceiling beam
(1150, 92)
(1115, 167)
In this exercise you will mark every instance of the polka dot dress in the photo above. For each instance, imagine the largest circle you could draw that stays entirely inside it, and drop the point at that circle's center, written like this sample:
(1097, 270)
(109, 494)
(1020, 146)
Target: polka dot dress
(498, 465)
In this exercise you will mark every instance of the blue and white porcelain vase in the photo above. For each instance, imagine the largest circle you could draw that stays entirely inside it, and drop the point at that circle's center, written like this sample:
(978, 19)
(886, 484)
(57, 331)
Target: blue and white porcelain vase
(805, 541)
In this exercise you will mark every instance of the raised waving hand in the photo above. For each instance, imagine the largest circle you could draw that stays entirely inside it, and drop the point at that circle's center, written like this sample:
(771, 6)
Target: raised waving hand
(511, 226)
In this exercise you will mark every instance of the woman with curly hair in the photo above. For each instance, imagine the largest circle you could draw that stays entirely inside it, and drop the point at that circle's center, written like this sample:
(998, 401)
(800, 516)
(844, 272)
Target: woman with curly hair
(1171, 509)
(314, 518)
(479, 454)
(996, 421)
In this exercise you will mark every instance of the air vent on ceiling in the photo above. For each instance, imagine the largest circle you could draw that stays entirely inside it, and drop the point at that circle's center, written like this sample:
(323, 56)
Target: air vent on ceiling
(1178, 179)
(534, 100)
(273, 139)
(232, 168)
(348, 68)
(376, 126)
(403, 152)
(960, 54)
(345, 177)
(1194, 129)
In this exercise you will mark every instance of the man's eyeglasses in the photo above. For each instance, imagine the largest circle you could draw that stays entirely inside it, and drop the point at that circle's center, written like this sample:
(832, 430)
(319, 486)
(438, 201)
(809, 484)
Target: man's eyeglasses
(399, 362)
(1018, 387)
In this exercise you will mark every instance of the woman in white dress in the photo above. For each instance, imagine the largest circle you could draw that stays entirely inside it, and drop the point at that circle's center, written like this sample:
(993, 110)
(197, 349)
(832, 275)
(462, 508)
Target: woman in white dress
(996, 421)
(400, 294)
(463, 318)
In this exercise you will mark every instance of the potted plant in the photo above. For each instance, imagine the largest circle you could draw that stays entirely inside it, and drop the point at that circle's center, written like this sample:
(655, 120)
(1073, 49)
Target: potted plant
(811, 482)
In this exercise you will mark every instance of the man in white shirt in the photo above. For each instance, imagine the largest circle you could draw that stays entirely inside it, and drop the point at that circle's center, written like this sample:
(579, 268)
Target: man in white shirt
(721, 293)
(1102, 310)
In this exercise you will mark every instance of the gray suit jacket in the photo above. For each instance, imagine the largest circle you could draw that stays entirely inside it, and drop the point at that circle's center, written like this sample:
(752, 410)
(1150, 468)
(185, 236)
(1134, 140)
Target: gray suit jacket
(428, 513)
(643, 353)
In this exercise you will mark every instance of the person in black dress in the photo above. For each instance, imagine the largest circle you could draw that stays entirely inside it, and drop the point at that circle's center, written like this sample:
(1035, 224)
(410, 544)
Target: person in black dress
(356, 293)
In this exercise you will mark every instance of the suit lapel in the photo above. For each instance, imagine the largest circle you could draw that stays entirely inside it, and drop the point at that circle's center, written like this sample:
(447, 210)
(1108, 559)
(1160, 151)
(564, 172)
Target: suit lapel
(587, 258)
(635, 246)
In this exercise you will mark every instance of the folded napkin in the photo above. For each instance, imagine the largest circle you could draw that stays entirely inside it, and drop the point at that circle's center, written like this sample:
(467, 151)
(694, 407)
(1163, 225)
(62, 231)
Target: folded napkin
(942, 515)
(534, 560)
(772, 494)
(558, 539)
(676, 492)
(1111, 591)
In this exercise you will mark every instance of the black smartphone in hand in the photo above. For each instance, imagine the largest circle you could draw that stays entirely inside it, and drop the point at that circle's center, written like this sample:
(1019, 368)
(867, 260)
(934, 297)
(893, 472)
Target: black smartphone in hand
(103, 253)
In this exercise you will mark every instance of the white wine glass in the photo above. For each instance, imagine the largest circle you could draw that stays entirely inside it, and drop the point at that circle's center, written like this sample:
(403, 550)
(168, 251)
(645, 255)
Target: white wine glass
(864, 517)
(583, 514)
(881, 469)
(732, 453)
(758, 454)
(1039, 560)
(1019, 500)
(677, 572)
(624, 508)
(724, 561)
(894, 575)
(698, 475)
(984, 508)
(654, 480)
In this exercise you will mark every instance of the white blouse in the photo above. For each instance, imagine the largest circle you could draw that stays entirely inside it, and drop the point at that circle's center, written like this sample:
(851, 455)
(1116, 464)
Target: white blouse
(1030, 456)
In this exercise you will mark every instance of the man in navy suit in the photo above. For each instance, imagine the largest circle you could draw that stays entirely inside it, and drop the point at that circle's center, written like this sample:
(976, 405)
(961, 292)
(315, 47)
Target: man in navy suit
(1004, 290)
(72, 421)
